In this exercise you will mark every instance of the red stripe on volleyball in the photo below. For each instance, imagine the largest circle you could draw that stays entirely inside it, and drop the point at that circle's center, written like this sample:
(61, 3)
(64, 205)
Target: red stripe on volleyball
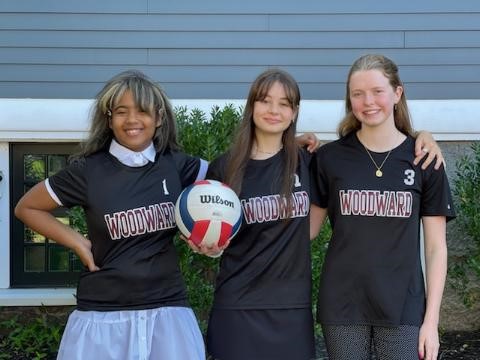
(225, 233)
(200, 227)
(202, 182)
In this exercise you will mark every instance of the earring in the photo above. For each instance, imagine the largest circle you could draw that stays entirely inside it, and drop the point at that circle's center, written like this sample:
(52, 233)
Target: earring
(395, 107)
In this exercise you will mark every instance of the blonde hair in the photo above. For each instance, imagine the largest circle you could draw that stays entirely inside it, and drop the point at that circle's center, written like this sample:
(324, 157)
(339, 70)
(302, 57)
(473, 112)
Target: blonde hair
(390, 70)
(148, 96)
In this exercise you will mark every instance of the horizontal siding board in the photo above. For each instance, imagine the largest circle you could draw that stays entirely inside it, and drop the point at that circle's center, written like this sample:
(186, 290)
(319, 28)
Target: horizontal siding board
(54, 90)
(239, 22)
(73, 56)
(375, 22)
(282, 57)
(433, 74)
(313, 6)
(133, 22)
(232, 57)
(205, 74)
(442, 39)
(238, 7)
(310, 91)
(84, 6)
(201, 74)
(228, 40)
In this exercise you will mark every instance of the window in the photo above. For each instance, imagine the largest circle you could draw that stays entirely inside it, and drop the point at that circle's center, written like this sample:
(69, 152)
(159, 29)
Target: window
(37, 261)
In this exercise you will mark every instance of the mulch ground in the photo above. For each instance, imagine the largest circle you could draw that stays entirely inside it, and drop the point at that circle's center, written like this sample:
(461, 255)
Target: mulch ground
(463, 345)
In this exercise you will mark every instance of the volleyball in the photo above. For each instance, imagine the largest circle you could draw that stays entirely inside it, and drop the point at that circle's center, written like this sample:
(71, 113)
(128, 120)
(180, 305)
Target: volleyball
(208, 212)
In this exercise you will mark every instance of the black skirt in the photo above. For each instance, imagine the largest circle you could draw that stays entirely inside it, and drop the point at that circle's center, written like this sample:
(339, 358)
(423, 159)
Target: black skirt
(280, 334)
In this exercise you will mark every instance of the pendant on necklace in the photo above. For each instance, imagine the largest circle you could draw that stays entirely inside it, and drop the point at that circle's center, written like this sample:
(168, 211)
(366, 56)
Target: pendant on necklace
(379, 173)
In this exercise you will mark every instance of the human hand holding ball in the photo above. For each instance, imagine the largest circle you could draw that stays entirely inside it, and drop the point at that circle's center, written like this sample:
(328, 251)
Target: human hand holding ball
(208, 214)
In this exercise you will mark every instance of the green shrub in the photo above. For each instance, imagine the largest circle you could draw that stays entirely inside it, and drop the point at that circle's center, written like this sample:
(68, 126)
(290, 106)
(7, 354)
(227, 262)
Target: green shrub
(319, 249)
(203, 137)
(467, 192)
(36, 339)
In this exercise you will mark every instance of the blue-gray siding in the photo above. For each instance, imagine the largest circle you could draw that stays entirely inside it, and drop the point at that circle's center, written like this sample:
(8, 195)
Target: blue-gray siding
(214, 49)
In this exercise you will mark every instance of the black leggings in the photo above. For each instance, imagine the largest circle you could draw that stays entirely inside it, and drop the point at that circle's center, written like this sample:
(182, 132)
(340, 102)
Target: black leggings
(355, 342)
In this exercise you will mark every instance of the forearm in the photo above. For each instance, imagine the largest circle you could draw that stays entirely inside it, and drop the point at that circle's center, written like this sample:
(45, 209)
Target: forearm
(46, 224)
(317, 218)
(34, 209)
(425, 145)
(435, 266)
(436, 273)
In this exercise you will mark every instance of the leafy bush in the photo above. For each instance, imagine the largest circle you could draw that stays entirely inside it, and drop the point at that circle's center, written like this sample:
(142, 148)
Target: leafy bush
(203, 137)
(467, 192)
(37, 339)
(319, 249)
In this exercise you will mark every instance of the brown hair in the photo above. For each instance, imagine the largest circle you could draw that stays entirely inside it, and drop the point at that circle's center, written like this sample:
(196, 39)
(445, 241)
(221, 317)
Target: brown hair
(390, 70)
(239, 153)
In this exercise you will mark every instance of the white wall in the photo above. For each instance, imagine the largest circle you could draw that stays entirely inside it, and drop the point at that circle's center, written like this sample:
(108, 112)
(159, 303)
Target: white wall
(40, 120)
(67, 120)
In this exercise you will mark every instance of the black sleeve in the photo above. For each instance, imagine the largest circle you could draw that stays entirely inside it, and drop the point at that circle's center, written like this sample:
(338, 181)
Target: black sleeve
(436, 194)
(319, 179)
(187, 166)
(216, 169)
(70, 183)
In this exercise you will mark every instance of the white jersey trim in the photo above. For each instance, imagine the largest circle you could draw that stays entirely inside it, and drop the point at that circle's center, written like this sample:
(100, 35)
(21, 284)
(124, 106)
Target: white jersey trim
(202, 172)
(52, 193)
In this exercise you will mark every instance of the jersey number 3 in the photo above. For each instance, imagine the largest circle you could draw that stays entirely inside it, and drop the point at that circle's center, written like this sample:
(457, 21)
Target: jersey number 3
(410, 177)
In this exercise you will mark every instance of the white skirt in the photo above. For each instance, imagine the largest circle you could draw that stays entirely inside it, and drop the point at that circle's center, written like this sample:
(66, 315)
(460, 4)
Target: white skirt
(169, 333)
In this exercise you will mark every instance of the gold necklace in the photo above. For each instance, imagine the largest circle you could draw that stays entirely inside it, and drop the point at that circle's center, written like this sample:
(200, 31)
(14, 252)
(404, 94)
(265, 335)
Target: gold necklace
(379, 172)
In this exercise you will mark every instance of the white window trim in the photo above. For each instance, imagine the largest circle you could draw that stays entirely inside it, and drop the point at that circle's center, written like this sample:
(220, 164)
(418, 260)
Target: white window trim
(63, 120)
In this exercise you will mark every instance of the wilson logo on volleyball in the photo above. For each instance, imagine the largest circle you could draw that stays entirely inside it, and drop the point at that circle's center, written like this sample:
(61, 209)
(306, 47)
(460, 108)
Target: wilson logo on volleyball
(210, 199)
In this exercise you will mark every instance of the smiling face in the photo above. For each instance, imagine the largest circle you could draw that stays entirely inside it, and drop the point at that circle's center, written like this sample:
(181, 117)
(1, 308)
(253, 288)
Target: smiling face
(274, 113)
(131, 126)
(373, 98)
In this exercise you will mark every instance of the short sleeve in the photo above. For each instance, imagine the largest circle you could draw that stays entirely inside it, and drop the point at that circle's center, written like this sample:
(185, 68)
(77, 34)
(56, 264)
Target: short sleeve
(216, 169)
(190, 168)
(70, 183)
(305, 156)
(436, 194)
(319, 179)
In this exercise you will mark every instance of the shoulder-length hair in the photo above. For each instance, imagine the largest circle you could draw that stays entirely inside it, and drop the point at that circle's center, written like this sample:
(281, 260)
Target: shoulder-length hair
(390, 70)
(148, 97)
(241, 150)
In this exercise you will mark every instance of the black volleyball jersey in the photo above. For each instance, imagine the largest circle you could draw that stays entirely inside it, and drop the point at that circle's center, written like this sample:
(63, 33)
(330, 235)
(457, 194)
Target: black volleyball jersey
(372, 271)
(267, 264)
(130, 218)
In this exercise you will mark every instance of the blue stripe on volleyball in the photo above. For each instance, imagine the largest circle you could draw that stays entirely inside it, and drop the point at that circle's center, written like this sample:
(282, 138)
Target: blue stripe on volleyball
(183, 209)
(236, 226)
